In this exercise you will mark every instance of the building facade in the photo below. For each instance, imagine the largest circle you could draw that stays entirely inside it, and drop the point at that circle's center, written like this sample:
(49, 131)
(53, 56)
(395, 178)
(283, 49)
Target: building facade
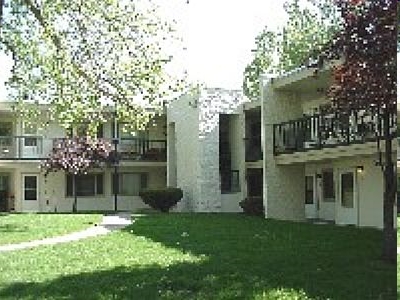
(24, 188)
(316, 164)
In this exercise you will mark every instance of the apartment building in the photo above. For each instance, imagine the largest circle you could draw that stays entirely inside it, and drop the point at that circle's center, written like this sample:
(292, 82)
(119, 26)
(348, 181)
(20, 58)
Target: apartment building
(317, 165)
(24, 188)
(214, 150)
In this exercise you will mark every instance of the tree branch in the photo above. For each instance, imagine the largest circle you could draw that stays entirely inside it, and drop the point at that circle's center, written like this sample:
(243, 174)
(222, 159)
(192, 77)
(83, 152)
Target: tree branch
(57, 43)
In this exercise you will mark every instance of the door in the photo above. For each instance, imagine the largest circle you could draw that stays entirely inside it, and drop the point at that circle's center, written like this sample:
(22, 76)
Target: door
(311, 197)
(4, 188)
(255, 182)
(326, 204)
(30, 142)
(30, 192)
(347, 198)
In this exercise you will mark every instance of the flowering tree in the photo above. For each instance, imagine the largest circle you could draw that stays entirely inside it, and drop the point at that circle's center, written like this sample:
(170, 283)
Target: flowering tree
(76, 156)
(367, 79)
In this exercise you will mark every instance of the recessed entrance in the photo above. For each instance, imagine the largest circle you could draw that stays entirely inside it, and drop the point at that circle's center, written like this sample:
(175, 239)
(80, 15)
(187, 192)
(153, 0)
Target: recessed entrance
(4, 192)
(320, 195)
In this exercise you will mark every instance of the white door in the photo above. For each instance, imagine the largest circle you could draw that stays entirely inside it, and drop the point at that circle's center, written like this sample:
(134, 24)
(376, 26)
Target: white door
(347, 213)
(30, 143)
(311, 199)
(30, 192)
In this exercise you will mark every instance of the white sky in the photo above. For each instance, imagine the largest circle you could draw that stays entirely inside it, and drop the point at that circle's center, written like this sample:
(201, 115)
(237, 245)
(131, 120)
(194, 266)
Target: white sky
(218, 34)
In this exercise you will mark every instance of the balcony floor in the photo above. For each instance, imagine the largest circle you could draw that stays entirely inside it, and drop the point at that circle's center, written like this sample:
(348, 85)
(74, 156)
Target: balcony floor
(329, 153)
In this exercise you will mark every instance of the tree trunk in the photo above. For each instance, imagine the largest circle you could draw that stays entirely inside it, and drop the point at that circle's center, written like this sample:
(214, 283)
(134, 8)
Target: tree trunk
(389, 195)
(74, 205)
(1, 12)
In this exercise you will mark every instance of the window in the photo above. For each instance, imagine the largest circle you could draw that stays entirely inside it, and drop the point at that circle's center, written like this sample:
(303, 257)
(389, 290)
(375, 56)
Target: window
(30, 130)
(309, 190)
(5, 128)
(130, 184)
(124, 133)
(81, 130)
(230, 181)
(347, 189)
(328, 186)
(5, 133)
(86, 185)
(30, 187)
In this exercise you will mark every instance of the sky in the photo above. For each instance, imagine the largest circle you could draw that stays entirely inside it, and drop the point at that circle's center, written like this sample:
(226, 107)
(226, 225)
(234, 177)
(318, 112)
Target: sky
(218, 34)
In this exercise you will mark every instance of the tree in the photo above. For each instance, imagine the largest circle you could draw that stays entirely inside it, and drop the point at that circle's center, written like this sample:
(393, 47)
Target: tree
(305, 33)
(79, 56)
(367, 78)
(76, 156)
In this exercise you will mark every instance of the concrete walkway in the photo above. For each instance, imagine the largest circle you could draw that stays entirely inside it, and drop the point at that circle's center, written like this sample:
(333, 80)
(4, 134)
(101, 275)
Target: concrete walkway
(108, 224)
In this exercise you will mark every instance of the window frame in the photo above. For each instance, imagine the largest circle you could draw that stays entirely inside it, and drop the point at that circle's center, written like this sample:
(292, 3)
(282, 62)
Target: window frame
(143, 184)
(98, 189)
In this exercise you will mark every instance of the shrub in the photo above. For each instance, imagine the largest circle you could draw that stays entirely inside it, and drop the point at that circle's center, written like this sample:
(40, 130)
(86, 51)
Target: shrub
(161, 199)
(253, 206)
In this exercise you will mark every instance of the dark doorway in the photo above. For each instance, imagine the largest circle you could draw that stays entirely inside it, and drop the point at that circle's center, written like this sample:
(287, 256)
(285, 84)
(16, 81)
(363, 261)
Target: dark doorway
(4, 183)
(255, 182)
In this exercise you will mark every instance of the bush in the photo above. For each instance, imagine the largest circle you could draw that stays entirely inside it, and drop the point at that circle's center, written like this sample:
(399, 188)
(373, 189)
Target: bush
(253, 206)
(161, 199)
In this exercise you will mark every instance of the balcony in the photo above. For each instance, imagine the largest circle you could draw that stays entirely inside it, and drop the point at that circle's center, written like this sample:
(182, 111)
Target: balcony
(21, 147)
(142, 149)
(330, 130)
(38, 147)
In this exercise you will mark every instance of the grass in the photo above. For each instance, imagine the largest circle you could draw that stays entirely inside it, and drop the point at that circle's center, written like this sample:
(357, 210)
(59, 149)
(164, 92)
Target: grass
(205, 256)
(16, 228)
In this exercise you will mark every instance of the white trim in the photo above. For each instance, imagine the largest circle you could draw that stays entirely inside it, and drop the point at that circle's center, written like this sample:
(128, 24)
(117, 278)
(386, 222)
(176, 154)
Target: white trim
(30, 205)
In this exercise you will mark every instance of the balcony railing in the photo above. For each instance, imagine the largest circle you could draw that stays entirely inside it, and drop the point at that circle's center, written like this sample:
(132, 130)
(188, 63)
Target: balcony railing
(21, 147)
(38, 147)
(330, 130)
(142, 149)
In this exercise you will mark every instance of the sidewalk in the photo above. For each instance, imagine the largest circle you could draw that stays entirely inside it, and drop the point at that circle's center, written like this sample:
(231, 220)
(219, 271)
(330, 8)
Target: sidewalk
(108, 224)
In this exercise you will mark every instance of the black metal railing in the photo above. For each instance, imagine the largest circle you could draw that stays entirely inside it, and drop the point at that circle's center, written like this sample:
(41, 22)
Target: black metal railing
(330, 130)
(38, 147)
(142, 149)
(253, 150)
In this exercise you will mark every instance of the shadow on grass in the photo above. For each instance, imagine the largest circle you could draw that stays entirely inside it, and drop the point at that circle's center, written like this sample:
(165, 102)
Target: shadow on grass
(246, 258)
(12, 228)
(180, 281)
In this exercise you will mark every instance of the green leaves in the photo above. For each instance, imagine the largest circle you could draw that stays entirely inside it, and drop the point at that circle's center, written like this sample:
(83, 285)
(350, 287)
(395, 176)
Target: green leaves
(307, 30)
(79, 56)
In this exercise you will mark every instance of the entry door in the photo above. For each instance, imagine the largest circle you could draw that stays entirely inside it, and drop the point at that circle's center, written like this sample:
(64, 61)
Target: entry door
(311, 200)
(347, 197)
(326, 195)
(30, 143)
(3, 192)
(30, 192)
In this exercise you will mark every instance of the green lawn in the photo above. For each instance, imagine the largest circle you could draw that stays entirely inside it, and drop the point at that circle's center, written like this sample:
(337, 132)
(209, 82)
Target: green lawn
(16, 228)
(205, 256)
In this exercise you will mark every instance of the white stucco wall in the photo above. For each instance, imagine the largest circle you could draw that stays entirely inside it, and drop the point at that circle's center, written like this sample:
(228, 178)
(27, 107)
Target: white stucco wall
(283, 186)
(196, 119)
(184, 115)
